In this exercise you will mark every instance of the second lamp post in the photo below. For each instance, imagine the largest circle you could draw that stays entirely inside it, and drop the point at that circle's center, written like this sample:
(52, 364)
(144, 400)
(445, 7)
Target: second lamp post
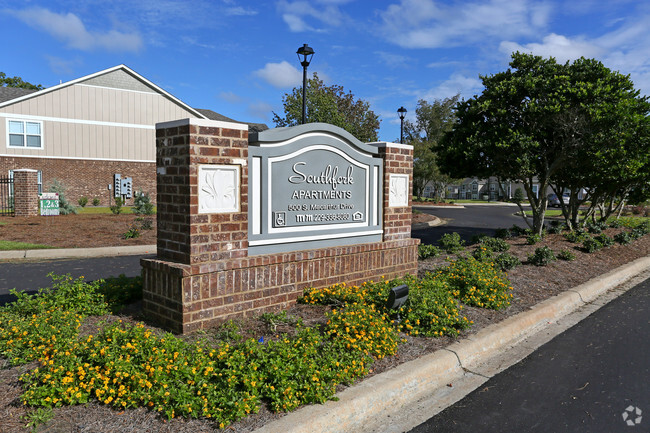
(402, 113)
(305, 53)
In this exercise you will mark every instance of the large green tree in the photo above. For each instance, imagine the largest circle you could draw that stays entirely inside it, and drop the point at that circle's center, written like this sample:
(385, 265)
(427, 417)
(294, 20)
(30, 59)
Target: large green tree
(433, 120)
(329, 104)
(17, 82)
(544, 123)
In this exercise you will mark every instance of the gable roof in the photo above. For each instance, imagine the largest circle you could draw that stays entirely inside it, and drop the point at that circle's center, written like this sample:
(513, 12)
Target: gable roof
(96, 78)
(213, 115)
(9, 93)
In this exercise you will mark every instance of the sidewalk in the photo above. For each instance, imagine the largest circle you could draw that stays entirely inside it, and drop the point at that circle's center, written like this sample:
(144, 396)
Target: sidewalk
(71, 253)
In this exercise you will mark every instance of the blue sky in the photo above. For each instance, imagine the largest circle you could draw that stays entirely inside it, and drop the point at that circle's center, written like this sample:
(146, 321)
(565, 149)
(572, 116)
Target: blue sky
(238, 57)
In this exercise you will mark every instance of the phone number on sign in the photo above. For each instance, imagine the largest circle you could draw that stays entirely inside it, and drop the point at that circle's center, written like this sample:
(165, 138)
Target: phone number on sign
(316, 218)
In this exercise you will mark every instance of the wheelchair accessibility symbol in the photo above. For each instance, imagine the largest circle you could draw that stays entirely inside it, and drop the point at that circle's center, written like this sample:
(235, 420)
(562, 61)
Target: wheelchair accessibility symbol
(279, 219)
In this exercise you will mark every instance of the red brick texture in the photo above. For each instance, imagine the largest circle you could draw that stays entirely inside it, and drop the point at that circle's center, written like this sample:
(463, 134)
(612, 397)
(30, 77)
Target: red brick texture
(185, 298)
(398, 159)
(25, 193)
(184, 235)
(86, 178)
(203, 274)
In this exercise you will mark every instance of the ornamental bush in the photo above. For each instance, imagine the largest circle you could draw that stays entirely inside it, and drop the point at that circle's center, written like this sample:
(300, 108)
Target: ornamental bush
(483, 254)
(425, 251)
(495, 244)
(542, 256)
(623, 238)
(451, 242)
(142, 204)
(567, 255)
(431, 309)
(506, 261)
(591, 245)
(479, 284)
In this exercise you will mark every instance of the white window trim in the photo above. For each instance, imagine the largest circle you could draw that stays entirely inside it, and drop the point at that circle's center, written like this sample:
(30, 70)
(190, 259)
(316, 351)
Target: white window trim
(24, 122)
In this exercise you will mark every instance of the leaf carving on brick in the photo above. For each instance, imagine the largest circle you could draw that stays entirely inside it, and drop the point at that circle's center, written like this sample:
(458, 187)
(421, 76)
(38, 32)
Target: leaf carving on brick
(218, 190)
(398, 191)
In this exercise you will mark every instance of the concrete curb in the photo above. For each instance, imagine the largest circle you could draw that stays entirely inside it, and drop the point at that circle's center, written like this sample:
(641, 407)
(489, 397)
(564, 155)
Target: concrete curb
(410, 382)
(68, 253)
(435, 222)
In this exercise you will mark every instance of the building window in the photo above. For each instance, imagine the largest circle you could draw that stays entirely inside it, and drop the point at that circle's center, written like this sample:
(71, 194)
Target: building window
(492, 187)
(23, 133)
(535, 190)
(474, 187)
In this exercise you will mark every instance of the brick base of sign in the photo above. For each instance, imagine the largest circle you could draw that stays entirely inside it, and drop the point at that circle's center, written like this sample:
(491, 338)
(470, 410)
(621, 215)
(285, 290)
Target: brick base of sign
(185, 298)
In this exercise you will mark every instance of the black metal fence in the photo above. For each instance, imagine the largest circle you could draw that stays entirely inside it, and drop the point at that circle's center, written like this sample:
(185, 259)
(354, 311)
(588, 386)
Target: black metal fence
(6, 196)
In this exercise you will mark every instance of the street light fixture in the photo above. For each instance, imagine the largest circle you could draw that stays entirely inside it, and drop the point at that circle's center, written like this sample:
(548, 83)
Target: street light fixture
(402, 113)
(305, 53)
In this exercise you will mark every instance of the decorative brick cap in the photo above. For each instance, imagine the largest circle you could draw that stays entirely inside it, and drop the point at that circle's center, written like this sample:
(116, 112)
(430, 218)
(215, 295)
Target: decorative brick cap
(381, 144)
(202, 122)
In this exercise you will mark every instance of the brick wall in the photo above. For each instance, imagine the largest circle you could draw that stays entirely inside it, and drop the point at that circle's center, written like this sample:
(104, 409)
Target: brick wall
(85, 177)
(203, 274)
(184, 298)
(398, 159)
(25, 192)
(184, 235)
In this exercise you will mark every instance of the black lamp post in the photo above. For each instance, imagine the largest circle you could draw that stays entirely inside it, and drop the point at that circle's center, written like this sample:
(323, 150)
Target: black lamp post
(402, 113)
(305, 53)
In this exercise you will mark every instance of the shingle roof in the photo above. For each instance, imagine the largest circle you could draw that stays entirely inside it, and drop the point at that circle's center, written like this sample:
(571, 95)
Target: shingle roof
(9, 93)
(213, 115)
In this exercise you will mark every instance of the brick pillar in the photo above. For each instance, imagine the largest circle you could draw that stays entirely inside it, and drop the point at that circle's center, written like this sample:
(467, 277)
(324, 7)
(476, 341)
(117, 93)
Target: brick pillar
(25, 192)
(398, 189)
(197, 161)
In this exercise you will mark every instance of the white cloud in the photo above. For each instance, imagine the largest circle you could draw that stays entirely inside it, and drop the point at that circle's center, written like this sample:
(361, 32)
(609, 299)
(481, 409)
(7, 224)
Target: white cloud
(71, 30)
(280, 75)
(456, 83)
(231, 97)
(393, 60)
(239, 11)
(295, 23)
(431, 24)
(189, 40)
(61, 66)
(558, 46)
(322, 13)
(260, 110)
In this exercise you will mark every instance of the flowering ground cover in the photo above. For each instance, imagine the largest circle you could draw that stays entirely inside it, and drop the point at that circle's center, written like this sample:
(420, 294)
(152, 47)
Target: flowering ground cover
(62, 349)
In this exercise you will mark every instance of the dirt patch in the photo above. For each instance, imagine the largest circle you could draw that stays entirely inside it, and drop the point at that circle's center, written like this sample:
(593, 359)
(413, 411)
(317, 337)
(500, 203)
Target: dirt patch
(531, 285)
(87, 231)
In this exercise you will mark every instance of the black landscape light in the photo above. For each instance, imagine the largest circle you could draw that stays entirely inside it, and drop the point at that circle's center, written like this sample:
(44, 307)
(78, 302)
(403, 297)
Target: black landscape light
(305, 53)
(402, 114)
(397, 298)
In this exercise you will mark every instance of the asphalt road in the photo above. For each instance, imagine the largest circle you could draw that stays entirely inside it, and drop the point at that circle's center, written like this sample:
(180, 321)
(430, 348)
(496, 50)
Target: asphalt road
(583, 380)
(30, 276)
(468, 221)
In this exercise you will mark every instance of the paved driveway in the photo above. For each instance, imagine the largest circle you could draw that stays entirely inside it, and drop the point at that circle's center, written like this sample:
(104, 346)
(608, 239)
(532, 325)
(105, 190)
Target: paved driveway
(468, 221)
(30, 276)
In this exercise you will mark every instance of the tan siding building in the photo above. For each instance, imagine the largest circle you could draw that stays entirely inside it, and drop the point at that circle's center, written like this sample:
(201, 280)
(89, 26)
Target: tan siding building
(84, 131)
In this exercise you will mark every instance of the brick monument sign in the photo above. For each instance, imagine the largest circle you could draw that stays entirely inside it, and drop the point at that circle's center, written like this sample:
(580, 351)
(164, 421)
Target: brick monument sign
(245, 224)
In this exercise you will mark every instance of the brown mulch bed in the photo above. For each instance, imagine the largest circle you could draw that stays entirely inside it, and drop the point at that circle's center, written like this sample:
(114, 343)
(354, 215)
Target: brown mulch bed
(76, 231)
(531, 285)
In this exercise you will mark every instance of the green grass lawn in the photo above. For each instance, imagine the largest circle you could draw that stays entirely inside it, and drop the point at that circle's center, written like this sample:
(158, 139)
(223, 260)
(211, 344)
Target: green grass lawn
(549, 212)
(9, 245)
(99, 210)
